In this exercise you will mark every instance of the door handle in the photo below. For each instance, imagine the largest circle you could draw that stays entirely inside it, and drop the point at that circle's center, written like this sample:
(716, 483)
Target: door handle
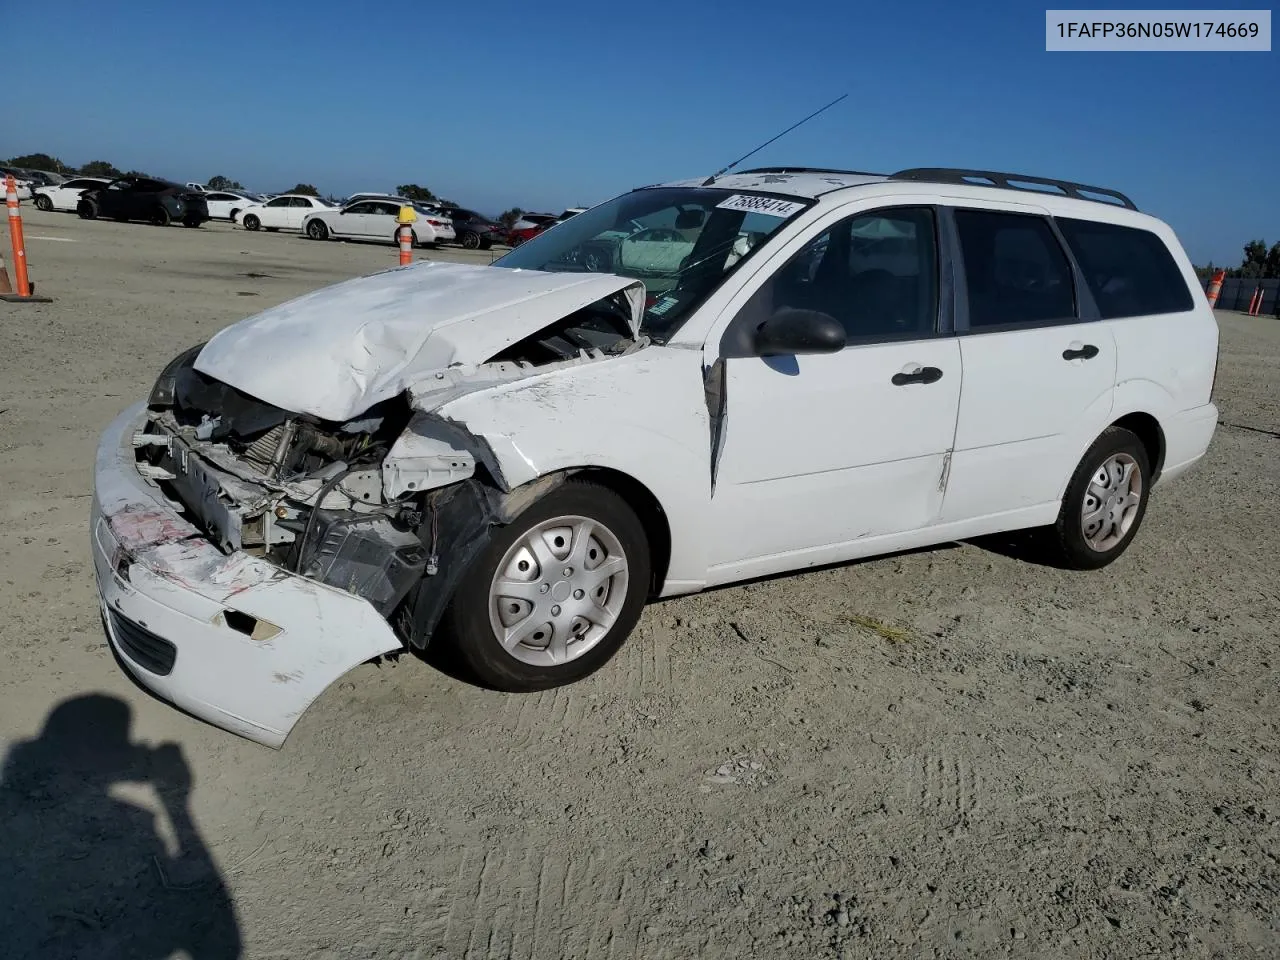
(920, 375)
(1087, 352)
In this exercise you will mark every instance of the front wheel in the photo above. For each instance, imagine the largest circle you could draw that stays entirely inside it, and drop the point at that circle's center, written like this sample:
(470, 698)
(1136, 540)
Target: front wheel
(251, 222)
(43, 203)
(160, 216)
(554, 594)
(1104, 503)
(317, 230)
(470, 240)
(192, 222)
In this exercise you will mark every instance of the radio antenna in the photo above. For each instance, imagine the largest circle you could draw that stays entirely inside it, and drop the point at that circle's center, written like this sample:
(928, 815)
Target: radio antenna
(711, 179)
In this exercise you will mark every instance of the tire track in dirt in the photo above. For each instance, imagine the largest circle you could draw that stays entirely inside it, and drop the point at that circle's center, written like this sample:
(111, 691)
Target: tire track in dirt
(521, 903)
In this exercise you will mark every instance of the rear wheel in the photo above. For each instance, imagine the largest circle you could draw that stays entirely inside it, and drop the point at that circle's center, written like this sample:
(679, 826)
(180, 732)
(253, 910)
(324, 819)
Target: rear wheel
(470, 240)
(317, 230)
(43, 203)
(554, 594)
(192, 222)
(87, 209)
(251, 222)
(1104, 503)
(160, 216)
(234, 214)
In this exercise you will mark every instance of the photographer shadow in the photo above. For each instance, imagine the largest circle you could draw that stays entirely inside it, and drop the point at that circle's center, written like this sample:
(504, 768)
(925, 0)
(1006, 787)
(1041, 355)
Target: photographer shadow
(84, 873)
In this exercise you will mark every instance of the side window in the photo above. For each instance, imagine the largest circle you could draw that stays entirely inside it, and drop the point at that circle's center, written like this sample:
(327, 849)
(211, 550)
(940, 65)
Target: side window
(362, 207)
(876, 273)
(1016, 272)
(279, 202)
(300, 202)
(1130, 272)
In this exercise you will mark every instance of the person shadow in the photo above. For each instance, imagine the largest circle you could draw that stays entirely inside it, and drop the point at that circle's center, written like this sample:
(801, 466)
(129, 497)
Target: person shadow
(86, 874)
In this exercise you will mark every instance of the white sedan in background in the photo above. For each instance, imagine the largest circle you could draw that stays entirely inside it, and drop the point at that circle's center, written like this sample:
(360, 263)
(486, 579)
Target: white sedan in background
(376, 220)
(225, 204)
(65, 196)
(285, 212)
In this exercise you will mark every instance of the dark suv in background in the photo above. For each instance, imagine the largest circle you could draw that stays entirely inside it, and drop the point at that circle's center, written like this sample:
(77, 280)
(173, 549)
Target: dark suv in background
(474, 230)
(141, 198)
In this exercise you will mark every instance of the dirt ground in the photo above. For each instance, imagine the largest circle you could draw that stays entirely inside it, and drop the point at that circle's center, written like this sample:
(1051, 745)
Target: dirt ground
(949, 753)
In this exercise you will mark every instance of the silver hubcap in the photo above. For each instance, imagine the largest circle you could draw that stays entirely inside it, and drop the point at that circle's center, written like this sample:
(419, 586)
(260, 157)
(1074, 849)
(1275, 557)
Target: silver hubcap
(1111, 502)
(558, 591)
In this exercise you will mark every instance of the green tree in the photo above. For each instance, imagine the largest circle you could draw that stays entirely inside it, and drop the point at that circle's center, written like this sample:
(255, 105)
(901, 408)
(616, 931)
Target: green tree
(223, 183)
(508, 217)
(415, 192)
(40, 161)
(306, 188)
(99, 168)
(1271, 266)
(141, 175)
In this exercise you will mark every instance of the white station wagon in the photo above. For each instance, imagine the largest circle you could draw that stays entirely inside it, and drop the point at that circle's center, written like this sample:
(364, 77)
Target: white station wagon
(688, 385)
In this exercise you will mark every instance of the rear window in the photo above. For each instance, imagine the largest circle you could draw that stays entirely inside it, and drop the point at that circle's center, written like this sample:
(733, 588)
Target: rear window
(1130, 272)
(1015, 270)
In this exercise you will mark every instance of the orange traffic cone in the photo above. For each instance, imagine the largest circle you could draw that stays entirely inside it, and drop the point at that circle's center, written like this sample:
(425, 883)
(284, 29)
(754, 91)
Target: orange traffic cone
(1215, 286)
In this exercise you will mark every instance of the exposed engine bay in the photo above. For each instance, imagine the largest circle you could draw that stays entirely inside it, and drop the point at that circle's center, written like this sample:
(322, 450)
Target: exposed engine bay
(329, 500)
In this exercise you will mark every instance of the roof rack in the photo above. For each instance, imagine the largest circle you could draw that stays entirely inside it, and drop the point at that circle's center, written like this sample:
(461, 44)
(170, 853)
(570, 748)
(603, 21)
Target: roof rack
(858, 173)
(1011, 181)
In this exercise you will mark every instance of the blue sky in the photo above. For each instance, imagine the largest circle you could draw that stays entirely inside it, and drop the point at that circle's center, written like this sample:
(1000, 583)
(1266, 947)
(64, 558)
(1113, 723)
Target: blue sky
(551, 104)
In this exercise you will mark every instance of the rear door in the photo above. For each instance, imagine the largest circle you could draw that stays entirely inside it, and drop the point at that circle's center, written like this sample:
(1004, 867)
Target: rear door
(297, 211)
(1039, 366)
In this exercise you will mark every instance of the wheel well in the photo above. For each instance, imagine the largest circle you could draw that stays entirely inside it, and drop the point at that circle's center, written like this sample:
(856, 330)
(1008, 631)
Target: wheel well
(647, 508)
(1147, 429)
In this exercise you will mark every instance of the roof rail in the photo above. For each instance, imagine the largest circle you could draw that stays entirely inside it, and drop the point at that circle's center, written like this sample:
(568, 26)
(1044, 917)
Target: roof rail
(859, 173)
(1011, 181)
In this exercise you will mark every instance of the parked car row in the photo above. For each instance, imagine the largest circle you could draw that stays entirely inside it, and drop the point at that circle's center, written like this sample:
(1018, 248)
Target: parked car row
(362, 216)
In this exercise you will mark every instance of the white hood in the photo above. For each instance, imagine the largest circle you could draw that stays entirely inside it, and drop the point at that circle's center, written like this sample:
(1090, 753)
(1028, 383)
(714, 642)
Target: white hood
(336, 352)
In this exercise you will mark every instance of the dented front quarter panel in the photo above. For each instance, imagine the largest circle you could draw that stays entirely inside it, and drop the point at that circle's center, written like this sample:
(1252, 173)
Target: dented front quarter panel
(642, 414)
(155, 568)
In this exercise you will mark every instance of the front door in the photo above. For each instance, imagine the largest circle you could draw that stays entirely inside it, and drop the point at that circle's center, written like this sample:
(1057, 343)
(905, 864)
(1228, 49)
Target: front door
(1038, 379)
(817, 452)
(275, 213)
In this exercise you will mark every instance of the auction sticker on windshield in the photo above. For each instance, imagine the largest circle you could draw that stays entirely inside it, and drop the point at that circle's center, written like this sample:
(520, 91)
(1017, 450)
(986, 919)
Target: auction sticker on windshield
(766, 205)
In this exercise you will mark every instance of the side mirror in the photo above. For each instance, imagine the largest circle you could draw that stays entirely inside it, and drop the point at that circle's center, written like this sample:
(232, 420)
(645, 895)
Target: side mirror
(789, 332)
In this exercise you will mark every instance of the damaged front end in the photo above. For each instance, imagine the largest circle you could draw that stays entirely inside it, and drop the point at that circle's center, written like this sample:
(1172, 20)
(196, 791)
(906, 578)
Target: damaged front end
(218, 516)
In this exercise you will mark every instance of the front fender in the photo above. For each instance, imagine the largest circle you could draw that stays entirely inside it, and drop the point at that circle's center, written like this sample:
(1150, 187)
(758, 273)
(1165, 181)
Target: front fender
(643, 415)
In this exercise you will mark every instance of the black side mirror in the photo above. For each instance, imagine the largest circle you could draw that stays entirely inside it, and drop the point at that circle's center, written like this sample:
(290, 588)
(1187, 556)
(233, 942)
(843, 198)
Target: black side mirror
(790, 332)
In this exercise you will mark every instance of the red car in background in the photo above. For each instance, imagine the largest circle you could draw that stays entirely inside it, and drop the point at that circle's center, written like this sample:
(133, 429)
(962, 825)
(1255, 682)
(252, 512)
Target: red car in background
(528, 226)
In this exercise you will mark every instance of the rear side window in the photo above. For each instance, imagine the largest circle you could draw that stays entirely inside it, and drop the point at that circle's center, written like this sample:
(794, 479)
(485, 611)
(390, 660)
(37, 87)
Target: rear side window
(1130, 272)
(1016, 272)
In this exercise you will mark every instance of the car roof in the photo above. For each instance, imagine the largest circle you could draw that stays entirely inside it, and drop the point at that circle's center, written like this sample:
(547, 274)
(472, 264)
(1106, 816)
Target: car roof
(808, 184)
(1059, 197)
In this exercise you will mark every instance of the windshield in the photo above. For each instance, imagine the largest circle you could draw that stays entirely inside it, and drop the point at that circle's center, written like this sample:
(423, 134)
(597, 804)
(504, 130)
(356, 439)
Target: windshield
(681, 242)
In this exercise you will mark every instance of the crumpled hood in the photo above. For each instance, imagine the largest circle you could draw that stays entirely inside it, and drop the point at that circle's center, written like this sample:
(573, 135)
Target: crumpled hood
(337, 351)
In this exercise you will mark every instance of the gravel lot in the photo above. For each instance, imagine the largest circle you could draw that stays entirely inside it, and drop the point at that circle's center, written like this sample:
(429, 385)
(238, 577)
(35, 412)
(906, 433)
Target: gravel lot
(947, 753)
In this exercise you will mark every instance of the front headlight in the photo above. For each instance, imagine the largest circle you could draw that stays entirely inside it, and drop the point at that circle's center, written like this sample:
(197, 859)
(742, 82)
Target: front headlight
(163, 391)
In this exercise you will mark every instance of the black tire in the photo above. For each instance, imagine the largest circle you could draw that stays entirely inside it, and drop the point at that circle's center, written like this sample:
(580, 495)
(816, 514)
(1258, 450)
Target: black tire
(233, 215)
(485, 244)
(192, 222)
(272, 229)
(317, 230)
(87, 209)
(465, 625)
(43, 203)
(470, 240)
(1066, 541)
(251, 222)
(161, 217)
